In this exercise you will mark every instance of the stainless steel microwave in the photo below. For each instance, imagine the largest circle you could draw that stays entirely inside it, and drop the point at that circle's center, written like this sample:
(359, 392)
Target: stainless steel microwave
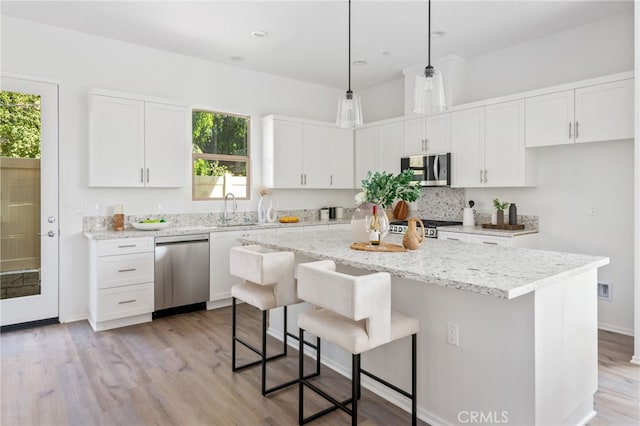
(429, 170)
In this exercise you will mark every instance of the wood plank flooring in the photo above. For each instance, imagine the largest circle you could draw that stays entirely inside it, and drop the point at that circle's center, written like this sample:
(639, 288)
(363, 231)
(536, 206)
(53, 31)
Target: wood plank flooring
(177, 371)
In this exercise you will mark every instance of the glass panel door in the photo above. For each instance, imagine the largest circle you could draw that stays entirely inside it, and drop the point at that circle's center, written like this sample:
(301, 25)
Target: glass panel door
(28, 200)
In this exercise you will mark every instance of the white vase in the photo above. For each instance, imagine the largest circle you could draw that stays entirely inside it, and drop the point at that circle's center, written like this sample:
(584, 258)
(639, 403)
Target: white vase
(262, 214)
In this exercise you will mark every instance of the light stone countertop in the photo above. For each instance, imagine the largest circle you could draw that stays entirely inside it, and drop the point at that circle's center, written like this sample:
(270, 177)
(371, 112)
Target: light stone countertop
(200, 229)
(479, 230)
(499, 271)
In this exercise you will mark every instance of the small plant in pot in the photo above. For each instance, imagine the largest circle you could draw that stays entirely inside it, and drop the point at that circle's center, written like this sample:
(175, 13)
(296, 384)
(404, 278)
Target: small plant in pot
(500, 207)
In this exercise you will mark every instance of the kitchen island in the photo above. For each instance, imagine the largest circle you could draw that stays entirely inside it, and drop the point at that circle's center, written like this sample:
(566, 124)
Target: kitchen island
(521, 326)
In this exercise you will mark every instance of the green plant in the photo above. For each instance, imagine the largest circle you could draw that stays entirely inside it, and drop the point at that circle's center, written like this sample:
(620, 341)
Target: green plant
(500, 206)
(207, 168)
(384, 188)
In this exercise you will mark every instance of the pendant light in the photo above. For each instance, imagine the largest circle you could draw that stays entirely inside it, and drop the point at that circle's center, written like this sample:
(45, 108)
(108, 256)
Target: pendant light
(429, 90)
(349, 107)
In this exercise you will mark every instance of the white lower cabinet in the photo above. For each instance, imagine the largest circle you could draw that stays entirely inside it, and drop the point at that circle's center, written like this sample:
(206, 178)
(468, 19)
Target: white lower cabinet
(220, 279)
(121, 282)
(523, 241)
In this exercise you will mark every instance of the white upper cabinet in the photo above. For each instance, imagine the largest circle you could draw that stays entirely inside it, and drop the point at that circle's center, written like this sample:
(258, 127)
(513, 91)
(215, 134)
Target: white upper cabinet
(427, 135)
(300, 154)
(467, 148)
(135, 143)
(378, 149)
(593, 113)
(488, 147)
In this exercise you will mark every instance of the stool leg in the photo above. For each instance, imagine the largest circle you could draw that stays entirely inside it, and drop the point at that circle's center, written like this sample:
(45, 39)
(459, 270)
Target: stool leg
(285, 330)
(264, 353)
(318, 355)
(233, 334)
(414, 381)
(301, 377)
(355, 386)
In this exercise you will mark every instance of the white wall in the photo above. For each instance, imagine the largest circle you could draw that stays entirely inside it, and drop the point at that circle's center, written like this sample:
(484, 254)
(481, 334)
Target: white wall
(81, 62)
(636, 355)
(383, 101)
(570, 180)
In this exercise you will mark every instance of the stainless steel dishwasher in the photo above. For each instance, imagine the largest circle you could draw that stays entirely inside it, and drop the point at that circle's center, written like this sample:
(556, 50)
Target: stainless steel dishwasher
(181, 272)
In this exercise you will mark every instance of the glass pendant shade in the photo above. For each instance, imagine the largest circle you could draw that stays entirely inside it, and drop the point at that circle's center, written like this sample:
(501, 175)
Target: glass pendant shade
(349, 111)
(429, 94)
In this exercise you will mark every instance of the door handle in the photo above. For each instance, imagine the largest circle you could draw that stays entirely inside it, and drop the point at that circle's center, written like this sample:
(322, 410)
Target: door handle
(51, 234)
(51, 219)
(426, 144)
(331, 180)
(305, 178)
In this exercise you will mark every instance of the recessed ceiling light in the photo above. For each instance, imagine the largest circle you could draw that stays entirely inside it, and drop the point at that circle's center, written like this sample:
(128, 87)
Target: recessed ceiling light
(386, 53)
(359, 63)
(236, 58)
(437, 34)
(259, 34)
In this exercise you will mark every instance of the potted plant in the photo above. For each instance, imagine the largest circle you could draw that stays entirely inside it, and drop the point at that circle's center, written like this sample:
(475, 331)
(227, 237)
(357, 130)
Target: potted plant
(500, 210)
(381, 189)
(206, 176)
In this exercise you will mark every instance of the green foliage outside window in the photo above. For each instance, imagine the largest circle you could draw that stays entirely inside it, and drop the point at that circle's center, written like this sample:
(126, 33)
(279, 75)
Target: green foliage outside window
(219, 134)
(19, 125)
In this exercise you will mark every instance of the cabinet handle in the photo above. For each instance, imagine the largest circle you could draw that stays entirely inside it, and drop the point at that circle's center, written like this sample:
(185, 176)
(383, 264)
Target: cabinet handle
(126, 301)
(426, 144)
(577, 129)
(147, 175)
(126, 246)
(485, 176)
(331, 180)
(141, 175)
(127, 270)
(490, 243)
(305, 178)
(301, 180)
(481, 181)
(423, 148)
(569, 130)
(453, 239)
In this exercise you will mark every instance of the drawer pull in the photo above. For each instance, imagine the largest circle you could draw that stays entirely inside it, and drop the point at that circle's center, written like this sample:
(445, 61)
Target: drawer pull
(453, 239)
(126, 301)
(127, 246)
(490, 242)
(127, 270)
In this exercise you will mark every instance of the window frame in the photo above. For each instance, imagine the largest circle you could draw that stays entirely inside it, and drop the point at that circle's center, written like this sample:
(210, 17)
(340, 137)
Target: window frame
(222, 157)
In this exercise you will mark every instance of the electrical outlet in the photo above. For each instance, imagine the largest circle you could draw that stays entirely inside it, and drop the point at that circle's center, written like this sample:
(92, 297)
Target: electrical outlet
(452, 334)
(604, 291)
(593, 211)
(162, 208)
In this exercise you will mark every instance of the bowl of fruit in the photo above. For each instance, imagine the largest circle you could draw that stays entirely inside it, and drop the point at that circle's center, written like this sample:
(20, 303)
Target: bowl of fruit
(150, 224)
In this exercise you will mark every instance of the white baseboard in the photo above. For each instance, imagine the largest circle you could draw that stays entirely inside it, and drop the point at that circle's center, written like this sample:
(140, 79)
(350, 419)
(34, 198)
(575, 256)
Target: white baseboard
(72, 318)
(635, 359)
(587, 418)
(215, 304)
(615, 329)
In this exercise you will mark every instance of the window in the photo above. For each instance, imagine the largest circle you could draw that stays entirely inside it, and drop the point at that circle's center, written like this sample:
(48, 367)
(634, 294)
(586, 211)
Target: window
(220, 144)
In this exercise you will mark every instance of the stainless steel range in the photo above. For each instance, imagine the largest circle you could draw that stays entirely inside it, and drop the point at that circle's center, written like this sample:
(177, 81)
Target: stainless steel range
(400, 226)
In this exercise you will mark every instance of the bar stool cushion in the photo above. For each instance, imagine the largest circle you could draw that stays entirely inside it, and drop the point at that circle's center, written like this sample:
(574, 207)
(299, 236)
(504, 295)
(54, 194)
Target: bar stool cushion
(260, 296)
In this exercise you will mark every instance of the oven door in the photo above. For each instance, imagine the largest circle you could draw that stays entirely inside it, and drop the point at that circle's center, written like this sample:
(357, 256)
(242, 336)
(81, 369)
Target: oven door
(438, 170)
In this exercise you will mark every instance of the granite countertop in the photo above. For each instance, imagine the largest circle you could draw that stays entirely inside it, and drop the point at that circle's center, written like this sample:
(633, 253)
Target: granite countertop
(478, 229)
(130, 232)
(499, 271)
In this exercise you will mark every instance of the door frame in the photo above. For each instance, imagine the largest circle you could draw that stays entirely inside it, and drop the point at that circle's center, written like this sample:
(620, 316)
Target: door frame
(44, 307)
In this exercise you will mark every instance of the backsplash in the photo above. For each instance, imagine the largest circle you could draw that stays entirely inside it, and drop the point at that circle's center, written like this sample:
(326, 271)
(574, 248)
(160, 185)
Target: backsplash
(439, 204)
(102, 223)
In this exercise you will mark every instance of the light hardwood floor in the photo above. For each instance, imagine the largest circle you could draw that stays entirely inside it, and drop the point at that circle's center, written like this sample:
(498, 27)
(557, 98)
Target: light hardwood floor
(176, 370)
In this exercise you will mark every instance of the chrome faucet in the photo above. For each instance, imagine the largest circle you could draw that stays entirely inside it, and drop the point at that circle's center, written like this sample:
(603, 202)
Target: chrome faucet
(225, 217)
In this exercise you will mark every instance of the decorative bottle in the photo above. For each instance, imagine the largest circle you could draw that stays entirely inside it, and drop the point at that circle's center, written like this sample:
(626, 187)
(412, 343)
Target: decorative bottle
(374, 228)
(513, 214)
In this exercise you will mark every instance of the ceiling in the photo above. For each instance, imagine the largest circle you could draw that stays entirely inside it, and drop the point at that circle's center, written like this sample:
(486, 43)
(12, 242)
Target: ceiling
(308, 39)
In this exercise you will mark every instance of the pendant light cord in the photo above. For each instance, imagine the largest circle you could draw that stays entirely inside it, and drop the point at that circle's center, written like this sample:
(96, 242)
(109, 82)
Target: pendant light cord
(429, 34)
(349, 90)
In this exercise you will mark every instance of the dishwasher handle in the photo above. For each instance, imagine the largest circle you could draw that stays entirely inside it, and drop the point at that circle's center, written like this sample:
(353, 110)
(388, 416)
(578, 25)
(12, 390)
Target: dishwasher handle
(181, 239)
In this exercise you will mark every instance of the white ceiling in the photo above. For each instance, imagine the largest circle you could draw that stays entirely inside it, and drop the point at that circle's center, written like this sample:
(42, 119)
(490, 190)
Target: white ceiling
(308, 39)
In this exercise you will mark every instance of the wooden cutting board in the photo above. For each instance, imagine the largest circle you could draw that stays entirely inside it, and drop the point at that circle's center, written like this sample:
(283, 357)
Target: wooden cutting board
(382, 248)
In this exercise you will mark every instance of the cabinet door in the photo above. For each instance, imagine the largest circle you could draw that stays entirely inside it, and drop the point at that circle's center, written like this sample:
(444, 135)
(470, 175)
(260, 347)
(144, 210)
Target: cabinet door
(315, 156)
(467, 147)
(220, 279)
(549, 119)
(366, 153)
(438, 134)
(604, 112)
(287, 154)
(341, 158)
(116, 142)
(389, 147)
(414, 137)
(453, 236)
(166, 136)
(504, 144)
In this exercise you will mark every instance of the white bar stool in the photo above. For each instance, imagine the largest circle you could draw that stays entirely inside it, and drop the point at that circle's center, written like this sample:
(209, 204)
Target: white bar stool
(354, 313)
(268, 283)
